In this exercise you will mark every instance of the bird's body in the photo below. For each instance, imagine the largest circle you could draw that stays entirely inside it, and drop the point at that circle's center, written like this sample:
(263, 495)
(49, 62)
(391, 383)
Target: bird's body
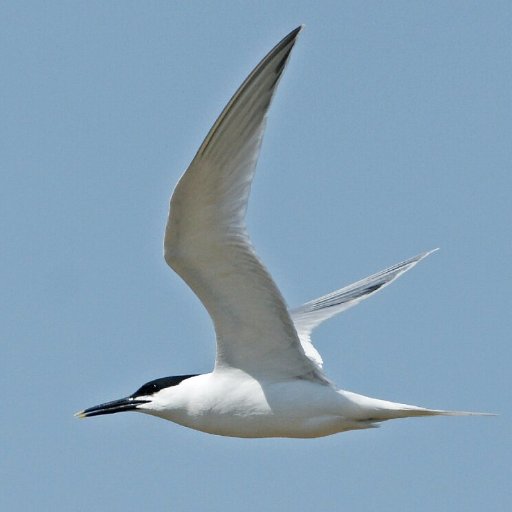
(268, 379)
(232, 403)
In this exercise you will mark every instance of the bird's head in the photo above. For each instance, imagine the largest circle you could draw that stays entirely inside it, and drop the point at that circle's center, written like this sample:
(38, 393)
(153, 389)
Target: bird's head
(136, 401)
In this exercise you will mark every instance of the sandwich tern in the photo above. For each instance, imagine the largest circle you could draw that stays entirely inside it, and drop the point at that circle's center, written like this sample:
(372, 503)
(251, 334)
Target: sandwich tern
(268, 379)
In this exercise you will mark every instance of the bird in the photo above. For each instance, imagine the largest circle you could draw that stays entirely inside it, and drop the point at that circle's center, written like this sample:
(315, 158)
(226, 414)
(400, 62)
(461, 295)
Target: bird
(268, 378)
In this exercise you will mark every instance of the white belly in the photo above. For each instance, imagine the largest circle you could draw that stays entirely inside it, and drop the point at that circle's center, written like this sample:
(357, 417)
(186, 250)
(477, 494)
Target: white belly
(234, 404)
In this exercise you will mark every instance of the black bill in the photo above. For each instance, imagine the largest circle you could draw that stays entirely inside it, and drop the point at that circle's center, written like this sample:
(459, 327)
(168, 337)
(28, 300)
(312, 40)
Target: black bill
(124, 404)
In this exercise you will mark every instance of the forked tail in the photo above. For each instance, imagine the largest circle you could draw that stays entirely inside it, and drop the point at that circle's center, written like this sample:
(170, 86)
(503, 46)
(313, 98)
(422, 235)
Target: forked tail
(376, 410)
(411, 411)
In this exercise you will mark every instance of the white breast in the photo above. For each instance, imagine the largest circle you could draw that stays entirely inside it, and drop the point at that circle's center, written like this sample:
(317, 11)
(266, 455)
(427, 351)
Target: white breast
(232, 403)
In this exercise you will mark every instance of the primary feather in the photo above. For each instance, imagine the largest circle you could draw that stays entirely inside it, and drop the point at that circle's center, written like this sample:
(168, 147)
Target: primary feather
(206, 241)
(313, 313)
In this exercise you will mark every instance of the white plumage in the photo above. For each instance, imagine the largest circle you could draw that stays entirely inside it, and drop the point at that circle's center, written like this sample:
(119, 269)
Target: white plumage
(268, 379)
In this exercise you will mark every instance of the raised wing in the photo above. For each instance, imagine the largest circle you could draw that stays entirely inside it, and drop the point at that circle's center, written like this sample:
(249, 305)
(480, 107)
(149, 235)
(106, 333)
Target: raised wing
(206, 241)
(313, 313)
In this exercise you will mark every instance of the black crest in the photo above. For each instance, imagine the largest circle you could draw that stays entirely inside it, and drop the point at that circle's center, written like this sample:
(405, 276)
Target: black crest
(153, 386)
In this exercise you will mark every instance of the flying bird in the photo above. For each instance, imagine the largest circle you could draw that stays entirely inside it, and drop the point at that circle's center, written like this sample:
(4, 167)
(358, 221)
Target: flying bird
(268, 379)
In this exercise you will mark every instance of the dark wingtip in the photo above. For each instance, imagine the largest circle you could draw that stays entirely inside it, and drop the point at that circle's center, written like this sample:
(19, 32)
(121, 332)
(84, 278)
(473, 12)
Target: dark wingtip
(289, 41)
(292, 35)
(297, 30)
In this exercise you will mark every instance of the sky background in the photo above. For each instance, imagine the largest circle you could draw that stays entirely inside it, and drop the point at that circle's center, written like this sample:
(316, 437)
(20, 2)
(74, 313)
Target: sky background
(390, 134)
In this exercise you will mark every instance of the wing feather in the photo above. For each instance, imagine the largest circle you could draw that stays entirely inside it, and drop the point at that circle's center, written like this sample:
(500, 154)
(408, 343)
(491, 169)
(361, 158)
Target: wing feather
(206, 241)
(313, 313)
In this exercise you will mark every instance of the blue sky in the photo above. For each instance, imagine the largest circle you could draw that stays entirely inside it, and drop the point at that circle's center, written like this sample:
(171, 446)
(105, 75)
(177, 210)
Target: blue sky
(390, 134)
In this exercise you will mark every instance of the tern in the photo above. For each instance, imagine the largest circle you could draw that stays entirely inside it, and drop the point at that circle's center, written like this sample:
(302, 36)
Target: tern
(268, 379)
